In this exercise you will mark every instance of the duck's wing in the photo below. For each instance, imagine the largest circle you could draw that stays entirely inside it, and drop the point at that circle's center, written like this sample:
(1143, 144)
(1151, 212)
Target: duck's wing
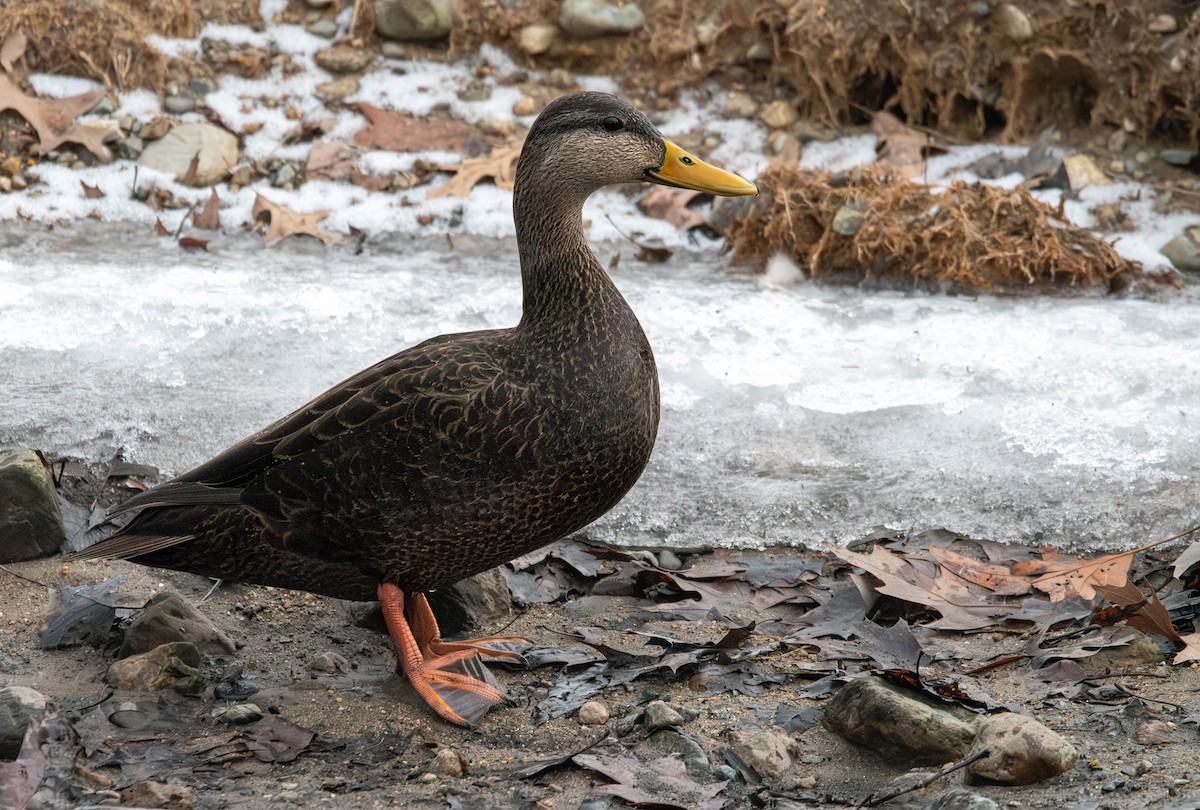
(452, 368)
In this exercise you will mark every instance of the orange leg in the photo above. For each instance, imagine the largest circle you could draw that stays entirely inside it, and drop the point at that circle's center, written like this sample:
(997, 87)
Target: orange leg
(456, 685)
(429, 637)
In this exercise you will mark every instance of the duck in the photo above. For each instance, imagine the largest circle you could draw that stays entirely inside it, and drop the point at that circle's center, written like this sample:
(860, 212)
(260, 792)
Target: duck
(460, 453)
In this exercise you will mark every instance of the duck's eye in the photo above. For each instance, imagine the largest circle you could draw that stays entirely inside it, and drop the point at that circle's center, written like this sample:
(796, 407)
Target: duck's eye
(612, 124)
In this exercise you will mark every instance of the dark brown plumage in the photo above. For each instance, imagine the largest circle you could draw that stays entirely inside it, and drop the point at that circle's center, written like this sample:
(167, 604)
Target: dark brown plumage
(466, 450)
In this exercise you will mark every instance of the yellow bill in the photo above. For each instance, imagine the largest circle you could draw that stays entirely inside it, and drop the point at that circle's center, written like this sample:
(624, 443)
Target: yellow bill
(683, 170)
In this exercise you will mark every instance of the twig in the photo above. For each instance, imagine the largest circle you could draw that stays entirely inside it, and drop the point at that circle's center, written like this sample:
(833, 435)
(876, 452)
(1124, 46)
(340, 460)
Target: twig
(925, 781)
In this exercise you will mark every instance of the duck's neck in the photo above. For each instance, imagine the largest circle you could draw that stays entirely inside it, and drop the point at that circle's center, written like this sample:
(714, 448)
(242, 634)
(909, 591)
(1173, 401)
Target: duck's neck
(562, 279)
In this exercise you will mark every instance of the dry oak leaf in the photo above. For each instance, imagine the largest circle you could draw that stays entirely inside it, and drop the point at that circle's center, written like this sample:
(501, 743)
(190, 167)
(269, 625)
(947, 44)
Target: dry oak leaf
(403, 132)
(995, 577)
(54, 120)
(331, 160)
(280, 221)
(1191, 650)
(208, 218)
(500, 165)
(1067, 576)
(901, 147)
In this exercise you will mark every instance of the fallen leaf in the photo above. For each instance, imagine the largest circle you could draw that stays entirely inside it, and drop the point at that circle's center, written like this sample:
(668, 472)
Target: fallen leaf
(500, 166)
(662, 782)
(403, 132)
(12, 50)
(192, 243)
(1189, 557)
(671, 204)
(1063, 576)
(331, 160)
(54, 120)
(209, 217)
(995, 577)
(91, 192)
(1190, 651)
(900, 146)
(1136, 609)
(159, 228)
(280, 221)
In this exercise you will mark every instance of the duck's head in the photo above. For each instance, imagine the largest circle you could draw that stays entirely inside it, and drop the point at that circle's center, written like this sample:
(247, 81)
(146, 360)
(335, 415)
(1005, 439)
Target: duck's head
(585, 141)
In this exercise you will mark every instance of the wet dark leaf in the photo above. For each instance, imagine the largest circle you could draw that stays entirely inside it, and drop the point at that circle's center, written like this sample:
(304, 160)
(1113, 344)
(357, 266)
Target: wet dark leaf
(79, 615)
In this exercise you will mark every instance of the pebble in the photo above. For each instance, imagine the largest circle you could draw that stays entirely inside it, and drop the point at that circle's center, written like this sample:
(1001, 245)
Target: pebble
(319, 3)
(1023, 751)
(170, 666)
(561, 78)
(338, 88)
(525, 106)
(593, 713)
(343, 59)
(173, 152)
(476, 90)
(957, 798)
(739, 105)
(725, 772)
(31, 524)
(849, 218)
(594, 18)
(779, 114)
(1014, 23)
(128, 148)
(1164, 24)
(669, 742)
(1177, 157)
(759, 52)
(660, 714)
(329, 661)
(668, 560)
(157, 794)
(413, 20)
(446, 762)
(284, 176)
(168, 617)
(325, 28)
(394, 50)
(241, 714)
(771, 752)
(6, 184)
(179, 103)
(537, 39)
(17, 705)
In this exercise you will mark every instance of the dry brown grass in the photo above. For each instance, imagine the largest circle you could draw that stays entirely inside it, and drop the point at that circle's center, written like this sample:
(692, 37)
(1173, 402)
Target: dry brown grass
(969, 237)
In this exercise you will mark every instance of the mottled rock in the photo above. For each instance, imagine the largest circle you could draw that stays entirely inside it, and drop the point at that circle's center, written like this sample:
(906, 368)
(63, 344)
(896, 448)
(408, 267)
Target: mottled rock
(31, 524)
(179, 103)
(526, 105)
(343, 58)
(170, 666)
(324, 28)
(329, 661)
(1014, 23)
(898, 723)
(18, 704)
(669, 742)
(241, 714)
(337, 89)
(849, 218)
(779, 114)
(739, 105)
(1164, 24)
(660, 714)
(216, 148)
(537, 39)
(167, 618)
(447, 762)
(1184, 251)
(760, 52)
(410, 20)
(595, 18)
(157, 794)
(1023, 751)
(961, 799)
(593, 713)
(770, 752)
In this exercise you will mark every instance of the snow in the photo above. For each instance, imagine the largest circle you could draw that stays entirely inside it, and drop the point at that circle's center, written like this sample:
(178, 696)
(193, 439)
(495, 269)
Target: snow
(792, 413)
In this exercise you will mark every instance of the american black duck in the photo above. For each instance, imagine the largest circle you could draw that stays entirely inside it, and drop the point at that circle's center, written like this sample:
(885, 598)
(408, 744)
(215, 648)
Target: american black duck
(462, 452)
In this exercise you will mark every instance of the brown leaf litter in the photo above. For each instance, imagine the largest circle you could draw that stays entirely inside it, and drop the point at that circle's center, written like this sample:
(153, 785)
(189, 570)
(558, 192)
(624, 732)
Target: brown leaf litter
(54, 120)
(279, 222)
(968, 237)
(500, 167)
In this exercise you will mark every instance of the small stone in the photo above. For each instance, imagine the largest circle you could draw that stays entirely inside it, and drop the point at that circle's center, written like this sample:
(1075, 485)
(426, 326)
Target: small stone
(593, 713)
(6, 184)
(537, 39)
(957, 798)
(739, 105)
(241, 714)
(343, 59)
(284, 176)
(170, 666)
(1164, 24)
(329, 661)
(476, 601)
(669, 742)
(157, 794)
(668, 560)
(1143, 767)
(325, 28)
(179, 103)
(660, 714)
(217, 150)
(31, 524)
(806, 782)
(725, 773)
(287, 797)
(18, 704)
(771, 753)
(337, 89)
(1014, 23)
(476, 90)
(594, 18)
(759, 52)
(849, 218)
(779, 114)
(394, 50)
(1177, 157)
(561, 78)
(155, 129)
(526, 106)
(128, 148)
(168, 617)
(319, 3)
(1023, 751)
(414, 20)
(447, 762)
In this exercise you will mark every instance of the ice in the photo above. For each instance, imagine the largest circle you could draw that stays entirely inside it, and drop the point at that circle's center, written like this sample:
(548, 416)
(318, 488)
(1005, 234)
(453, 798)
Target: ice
(801, 415)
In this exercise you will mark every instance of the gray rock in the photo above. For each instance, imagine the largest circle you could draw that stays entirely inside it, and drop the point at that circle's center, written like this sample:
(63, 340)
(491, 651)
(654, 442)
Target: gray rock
(128, 148)
(759, 52)
(961, 799)
(324, 28)
(1023, 751)
(284, 175)
(537, 39)
(848, 219)
(171, 666)
(740, 105)
(1176, 157)
(179, 103)
(770, 752)
(167, 618)
(409, 20)
(899, 724)
(330, 662)
(241, 714)
(478, 601)
(446, 762)
(394, 50)
(1184, 251)
(18, 704)
(31, 524)
(668, 742)
(343, 58)
(173, 153)
(595, 18)
(660, 714)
